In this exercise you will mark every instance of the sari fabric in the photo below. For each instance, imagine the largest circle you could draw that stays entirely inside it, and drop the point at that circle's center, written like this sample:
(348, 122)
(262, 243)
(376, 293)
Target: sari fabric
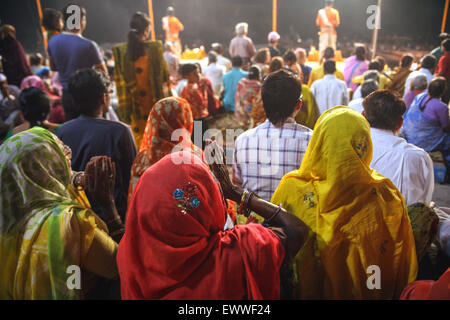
(309, 113)
(167, 116)
(44, 229)
(354, 68)
(174, 246)
(428, 289)
(421, 131)
(357, 217)
(140, 84)
(399, 77)
(248, 93)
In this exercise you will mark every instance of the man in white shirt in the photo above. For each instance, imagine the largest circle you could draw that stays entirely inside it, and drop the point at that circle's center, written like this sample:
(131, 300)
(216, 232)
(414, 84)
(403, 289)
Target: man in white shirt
(367, 88)
(329, 91)
(214, 72)
(408, 167)
(221, 60)
(428, 64)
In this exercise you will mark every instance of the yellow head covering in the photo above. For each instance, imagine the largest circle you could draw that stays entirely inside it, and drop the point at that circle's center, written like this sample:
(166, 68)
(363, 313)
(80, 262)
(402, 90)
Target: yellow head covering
(357, 217)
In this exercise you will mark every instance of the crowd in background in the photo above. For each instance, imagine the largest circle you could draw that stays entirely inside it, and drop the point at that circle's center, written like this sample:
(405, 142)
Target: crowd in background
(103, 165)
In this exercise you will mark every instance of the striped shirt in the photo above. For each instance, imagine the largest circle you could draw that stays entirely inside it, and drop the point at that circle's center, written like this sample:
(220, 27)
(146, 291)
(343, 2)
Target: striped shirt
(263, 155)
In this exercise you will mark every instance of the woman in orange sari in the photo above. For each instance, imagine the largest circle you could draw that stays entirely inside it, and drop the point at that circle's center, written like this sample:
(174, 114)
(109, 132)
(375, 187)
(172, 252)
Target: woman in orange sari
(169, 128)
(141, 75)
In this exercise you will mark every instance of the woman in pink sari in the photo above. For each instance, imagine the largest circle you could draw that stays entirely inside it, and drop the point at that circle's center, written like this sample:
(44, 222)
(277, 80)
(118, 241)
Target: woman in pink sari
(355, 66)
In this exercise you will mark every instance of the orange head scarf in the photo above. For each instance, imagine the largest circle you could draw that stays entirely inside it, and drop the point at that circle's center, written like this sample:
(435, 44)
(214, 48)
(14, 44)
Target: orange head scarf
(174, 246)
(169, 117)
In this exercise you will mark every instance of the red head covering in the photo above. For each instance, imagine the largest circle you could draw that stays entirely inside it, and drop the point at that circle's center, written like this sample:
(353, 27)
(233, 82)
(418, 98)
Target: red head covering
(167, 115)
(428, 289)
(174, 246)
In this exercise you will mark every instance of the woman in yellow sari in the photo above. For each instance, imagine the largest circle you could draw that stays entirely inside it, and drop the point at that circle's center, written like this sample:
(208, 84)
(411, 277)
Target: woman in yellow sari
(357, 217)
(141, 75)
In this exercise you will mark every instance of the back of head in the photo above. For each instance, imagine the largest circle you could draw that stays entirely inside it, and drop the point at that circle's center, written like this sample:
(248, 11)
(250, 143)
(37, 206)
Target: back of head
(280, 93)
(384, 110)
(187, 68)
(237, 62)
(290, 57)
(241, 28)
(273, 37)
(261, 55)
(168, 47)
(368, 87)
(138, 25)
(276, 64)
(328, 53)
(170, 11)
(329, 67)
(360, 53)
(87, 86)
(428, 62)
(437, 87)
(7, 31)
(68, 12)
(212, 57)
(217, 47)
(254, 73)
(35, 105)
(446, 45)
(301, 53)
(375, 65)
(419, 82)
(406, 61)
(371, 75)
(329, 3)
(381, 61)
(51, 19)
(36, 59)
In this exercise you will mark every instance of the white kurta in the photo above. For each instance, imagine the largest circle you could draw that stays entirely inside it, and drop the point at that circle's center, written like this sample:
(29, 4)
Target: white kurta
(329, 92)
(410, 168)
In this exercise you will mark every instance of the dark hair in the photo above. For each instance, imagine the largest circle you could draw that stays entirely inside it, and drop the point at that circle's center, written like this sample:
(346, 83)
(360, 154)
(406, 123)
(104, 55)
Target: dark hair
(51, 18)
(36, 59)
(280, 94)
(87, 86)
(329, 67)
(368, 87)
(187, 68)
(212, 57)
(382, 62)
(360, 53)
(329, 2)
(35, 105)
(375, 65)
(446, 44)
(138, 24)
(217, 47)
(436, 89)
(371, 75)
(261, 55)
(108, 54)
(406, 61)
(237, 62)
(428, 62)
(276, 64)
(254, 73)
(290, 57)
(67, 15)
(328, 53)
(170, 11)
(384, 109)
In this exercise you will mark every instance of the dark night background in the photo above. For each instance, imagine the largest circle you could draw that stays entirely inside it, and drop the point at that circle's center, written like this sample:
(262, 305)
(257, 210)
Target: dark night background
(208, 21)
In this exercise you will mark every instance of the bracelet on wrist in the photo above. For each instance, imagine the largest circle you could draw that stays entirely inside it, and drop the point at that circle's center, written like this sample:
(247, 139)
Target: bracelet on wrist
(273, 216)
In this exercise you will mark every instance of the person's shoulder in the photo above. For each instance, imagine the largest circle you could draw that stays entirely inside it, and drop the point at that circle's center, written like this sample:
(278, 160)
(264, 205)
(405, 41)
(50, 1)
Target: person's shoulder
(251, 133)
(154, 44)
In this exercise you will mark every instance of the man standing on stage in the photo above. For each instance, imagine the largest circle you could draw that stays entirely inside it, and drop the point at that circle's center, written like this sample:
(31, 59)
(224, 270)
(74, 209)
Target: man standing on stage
(172, 26)
(327, 20)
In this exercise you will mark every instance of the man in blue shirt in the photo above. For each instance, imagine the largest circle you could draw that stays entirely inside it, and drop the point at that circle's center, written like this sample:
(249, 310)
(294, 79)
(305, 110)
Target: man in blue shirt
(70, 51)
(230, 82)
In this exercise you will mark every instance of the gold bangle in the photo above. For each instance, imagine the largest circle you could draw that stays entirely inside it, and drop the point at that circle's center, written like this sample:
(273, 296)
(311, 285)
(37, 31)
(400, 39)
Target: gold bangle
(241, 204)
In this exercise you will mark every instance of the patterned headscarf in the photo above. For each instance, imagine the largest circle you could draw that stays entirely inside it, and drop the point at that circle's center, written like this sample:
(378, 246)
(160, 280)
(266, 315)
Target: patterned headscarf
(167, 116)
(43, 228)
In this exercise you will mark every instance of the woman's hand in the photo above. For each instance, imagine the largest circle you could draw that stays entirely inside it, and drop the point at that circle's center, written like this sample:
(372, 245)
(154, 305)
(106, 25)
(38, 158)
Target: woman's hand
(100, 175)
(217, 161)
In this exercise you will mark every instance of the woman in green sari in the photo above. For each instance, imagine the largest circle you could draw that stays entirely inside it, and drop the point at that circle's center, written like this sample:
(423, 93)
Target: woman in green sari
(52, 245)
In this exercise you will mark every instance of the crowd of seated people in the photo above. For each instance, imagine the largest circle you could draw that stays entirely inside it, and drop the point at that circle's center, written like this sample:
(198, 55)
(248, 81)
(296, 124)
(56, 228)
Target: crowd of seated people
(331, 177)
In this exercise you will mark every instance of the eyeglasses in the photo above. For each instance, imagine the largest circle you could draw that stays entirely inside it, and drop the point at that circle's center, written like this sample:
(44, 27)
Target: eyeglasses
(300, 99)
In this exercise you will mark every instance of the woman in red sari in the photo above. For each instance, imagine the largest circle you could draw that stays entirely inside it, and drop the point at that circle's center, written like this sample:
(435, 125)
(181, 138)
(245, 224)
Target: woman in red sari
(175, 246)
